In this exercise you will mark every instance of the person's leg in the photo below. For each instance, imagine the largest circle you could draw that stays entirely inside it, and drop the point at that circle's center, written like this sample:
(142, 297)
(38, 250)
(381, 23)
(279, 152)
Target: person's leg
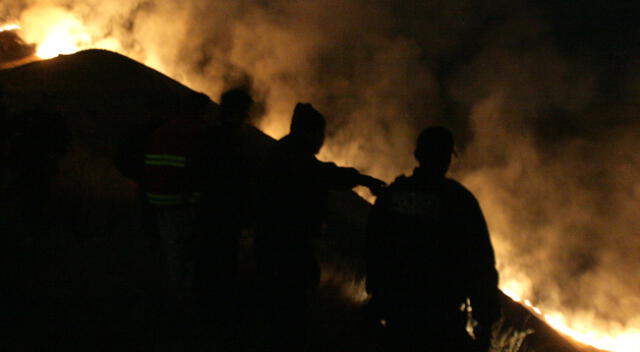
(176, 227)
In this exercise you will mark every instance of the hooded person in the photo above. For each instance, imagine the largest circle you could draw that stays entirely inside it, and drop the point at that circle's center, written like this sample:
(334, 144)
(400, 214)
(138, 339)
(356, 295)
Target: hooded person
(428, 253)
(293, 193)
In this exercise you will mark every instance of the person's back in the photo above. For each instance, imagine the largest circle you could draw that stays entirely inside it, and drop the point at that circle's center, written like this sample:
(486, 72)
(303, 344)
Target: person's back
(293, 192)
(173, 195)
(428, 251)
(169, 161)
(295, 186)
(222, 169)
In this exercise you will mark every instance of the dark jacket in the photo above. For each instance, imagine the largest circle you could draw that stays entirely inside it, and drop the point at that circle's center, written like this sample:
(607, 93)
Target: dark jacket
(428, 242)
(169, 160)
(223, 173)
(293, 191)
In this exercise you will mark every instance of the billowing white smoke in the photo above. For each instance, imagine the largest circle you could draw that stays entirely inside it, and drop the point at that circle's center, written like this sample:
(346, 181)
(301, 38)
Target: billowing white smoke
(552, 163)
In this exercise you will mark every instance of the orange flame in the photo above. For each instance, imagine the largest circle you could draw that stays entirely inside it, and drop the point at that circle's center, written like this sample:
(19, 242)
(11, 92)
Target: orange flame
(56, 31)
(581, 330)
(9, 27)
(58, 41)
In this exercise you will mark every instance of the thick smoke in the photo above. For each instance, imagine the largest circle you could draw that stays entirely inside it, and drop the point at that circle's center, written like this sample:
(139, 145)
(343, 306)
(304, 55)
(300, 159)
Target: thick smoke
(549, 153)
(554, 166)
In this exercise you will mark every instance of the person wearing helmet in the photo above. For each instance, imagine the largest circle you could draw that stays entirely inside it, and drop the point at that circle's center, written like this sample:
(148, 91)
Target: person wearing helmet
(428, 253)
(293, 205)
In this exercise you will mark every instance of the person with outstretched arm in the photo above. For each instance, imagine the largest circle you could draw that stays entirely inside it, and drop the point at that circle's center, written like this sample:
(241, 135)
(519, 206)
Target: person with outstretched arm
(293, 193)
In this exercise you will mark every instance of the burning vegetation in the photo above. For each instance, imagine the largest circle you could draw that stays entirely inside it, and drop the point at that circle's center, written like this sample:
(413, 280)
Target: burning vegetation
(546, 146)
(13, 50)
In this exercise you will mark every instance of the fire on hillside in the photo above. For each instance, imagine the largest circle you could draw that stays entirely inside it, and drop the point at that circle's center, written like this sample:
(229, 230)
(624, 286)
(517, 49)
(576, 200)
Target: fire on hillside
(63, 33)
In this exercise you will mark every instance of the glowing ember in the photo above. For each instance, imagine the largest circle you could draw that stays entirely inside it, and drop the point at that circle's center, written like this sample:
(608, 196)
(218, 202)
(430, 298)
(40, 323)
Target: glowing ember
(9, 27)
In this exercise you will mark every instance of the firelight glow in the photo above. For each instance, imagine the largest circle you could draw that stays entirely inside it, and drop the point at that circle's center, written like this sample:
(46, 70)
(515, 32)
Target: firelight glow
(57, 43)
(582, 331)
(9, 27)
(66, 34)
(54, 31)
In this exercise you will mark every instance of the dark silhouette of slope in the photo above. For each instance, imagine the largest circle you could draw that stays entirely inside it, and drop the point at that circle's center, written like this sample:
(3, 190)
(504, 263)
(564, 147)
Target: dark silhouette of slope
(100, 92)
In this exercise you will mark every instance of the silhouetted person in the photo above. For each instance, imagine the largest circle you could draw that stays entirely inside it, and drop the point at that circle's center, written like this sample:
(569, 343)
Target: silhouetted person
(129, 160)
(293, 197)
(428, 250)
(223, 172)
(174, 194)
(34, 144)
(4, 135)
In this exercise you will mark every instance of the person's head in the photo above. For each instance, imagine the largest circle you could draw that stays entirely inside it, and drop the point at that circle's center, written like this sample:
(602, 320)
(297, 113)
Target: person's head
(235, 105)
(434, 148)
(307, 126)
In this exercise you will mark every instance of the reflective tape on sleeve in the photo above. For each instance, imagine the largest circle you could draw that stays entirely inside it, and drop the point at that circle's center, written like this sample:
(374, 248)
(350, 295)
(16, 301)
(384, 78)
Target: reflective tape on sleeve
(165, 160)
(165, 199)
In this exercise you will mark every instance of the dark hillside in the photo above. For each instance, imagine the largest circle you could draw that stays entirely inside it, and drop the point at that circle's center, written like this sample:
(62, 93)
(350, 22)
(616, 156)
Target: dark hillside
(101, 93)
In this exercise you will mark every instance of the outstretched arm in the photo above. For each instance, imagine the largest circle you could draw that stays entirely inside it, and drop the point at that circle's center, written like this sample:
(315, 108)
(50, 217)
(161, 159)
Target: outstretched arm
(336, 177)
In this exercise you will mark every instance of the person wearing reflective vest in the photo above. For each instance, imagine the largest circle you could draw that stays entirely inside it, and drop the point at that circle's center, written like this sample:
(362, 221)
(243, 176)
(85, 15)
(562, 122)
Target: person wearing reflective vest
(171, 190)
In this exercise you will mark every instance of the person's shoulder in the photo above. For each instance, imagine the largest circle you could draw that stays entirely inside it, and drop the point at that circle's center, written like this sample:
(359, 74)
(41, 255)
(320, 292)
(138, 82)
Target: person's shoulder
(401, 186)
(398, 186)
(278, 153)
(162, 131)
(178, 125)
(280, 147)
(455, 185)
(289, 149)
(461, 191)
(401, 182)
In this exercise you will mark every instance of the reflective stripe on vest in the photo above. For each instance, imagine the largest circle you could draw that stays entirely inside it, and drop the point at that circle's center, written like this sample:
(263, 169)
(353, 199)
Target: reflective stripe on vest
(165, 160)
(173, 199)
(165, 199)
(195, 197)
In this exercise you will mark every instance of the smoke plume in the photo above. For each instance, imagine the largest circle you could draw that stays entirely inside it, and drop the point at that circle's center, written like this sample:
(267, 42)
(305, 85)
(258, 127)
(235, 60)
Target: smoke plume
(547, 135)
